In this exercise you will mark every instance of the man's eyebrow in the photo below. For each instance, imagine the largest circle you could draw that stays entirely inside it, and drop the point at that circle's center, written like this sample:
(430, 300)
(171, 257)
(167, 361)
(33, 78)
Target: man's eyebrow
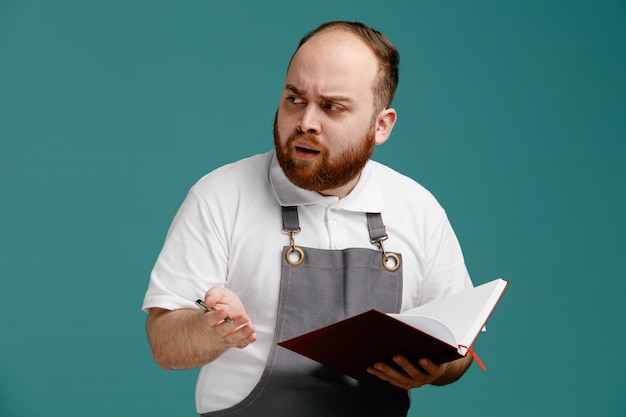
(332, 99)
(294, 89)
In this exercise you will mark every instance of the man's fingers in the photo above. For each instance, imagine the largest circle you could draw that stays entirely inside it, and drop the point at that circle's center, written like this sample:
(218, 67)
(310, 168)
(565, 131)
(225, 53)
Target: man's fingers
(241, 337)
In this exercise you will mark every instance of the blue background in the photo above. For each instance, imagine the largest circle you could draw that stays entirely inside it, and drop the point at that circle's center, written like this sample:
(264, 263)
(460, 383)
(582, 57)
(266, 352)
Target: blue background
(513, 113)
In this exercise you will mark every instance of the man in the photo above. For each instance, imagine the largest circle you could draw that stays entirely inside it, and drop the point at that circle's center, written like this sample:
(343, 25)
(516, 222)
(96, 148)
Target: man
(288, 241)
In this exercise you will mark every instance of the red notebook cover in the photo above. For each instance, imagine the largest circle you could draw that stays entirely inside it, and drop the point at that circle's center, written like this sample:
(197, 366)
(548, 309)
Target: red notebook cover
(356, 343)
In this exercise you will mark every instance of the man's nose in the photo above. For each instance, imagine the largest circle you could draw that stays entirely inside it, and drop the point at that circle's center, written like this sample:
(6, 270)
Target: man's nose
(310, 120)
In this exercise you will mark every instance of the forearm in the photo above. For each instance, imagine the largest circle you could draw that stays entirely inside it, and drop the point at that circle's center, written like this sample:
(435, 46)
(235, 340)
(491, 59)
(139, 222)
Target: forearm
(454, 371)
(181, 339)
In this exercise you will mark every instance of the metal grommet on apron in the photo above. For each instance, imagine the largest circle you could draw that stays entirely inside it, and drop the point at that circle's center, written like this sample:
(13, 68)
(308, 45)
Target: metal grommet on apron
(378, 234)
(294, 255)
(319, 287)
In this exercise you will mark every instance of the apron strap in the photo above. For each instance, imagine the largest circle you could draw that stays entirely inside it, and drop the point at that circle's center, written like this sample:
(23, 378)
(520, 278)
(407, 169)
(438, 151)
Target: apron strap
(378, 234)
(375, 224)
(377, 227)
(294, 255)
(290, 219)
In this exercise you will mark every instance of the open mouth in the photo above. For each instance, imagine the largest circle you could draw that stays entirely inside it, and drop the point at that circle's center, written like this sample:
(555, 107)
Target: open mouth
(305, 152)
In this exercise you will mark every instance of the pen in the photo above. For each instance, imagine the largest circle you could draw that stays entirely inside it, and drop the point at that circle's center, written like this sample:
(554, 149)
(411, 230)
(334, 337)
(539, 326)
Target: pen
(209, 309)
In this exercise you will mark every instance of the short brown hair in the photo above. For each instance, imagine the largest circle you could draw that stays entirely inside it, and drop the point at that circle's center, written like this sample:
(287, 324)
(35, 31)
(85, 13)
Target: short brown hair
(385, 85)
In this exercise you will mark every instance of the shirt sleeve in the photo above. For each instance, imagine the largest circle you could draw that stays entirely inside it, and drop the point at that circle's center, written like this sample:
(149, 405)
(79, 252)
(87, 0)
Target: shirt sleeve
(193, 258)
(445, 273)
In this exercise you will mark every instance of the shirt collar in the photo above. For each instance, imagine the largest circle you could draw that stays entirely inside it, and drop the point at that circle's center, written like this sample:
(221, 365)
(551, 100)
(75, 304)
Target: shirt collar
(367, 195)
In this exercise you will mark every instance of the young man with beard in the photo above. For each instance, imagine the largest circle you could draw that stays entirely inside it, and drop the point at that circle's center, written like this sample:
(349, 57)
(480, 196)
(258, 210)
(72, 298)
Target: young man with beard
(291, 240)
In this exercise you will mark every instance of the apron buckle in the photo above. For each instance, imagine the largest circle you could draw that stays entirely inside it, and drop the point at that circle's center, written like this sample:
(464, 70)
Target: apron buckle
(391, 261)
(294, 255)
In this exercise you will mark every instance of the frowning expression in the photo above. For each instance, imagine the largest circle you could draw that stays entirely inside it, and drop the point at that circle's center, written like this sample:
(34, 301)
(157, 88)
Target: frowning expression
(325, 126)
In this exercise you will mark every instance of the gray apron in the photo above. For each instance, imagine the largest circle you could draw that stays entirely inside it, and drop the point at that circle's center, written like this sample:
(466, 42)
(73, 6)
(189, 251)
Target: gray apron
(319, 287)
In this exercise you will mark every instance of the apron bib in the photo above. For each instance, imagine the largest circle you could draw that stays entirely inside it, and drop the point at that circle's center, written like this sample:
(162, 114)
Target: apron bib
(319, 287)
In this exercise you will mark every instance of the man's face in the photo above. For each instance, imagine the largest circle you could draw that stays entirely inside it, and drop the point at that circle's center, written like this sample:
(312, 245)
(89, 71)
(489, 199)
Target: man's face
(324, 130)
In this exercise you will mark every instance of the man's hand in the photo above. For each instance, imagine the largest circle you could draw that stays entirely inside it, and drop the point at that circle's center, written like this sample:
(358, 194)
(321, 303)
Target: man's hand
(188, 338)
(232, 326)
(426, 372)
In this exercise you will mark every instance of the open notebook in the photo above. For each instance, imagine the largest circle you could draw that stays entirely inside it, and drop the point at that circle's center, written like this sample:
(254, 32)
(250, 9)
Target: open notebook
(442, 330)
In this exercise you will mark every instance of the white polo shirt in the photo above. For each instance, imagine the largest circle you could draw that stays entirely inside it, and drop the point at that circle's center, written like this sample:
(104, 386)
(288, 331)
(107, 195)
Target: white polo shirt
(228, 232)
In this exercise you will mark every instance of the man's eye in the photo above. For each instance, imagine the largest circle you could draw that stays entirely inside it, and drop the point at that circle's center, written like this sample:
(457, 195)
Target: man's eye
(332, 107)
(295, 100)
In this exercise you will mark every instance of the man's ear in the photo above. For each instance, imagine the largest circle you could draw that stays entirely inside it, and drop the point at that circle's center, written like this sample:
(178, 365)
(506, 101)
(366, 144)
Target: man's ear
(384, 125)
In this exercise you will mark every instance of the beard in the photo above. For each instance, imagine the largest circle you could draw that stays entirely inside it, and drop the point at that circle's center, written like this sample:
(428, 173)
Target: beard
(323, 172)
